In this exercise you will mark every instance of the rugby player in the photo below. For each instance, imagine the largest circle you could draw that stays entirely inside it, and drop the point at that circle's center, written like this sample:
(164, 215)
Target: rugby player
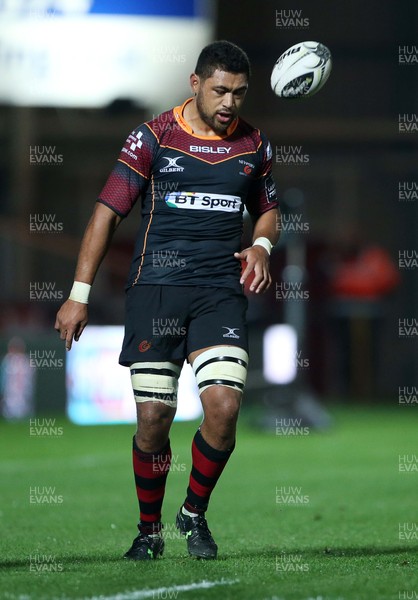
(195, 168)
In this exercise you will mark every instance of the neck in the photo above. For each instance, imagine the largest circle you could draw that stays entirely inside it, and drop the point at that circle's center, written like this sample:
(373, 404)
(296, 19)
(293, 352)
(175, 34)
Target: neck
(193, 119)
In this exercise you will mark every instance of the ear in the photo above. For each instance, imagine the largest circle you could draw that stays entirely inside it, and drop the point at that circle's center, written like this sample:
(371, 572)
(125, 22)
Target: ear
(194, 83)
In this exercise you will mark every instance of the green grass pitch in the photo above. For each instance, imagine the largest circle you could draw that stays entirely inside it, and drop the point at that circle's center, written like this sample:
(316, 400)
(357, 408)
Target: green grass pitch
(346, 531)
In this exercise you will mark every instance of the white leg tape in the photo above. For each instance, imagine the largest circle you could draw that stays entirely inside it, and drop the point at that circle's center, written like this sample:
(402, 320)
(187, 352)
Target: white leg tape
(155, 382)
(222, 365)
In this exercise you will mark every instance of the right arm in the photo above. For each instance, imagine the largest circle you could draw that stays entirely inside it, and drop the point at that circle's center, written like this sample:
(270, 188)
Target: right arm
(124, 186)
(72, 316)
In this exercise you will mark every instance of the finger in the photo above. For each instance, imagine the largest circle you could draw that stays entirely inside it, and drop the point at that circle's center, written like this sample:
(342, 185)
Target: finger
(249, 269)
(258, 277)
(79, 331)
(69, 334)
(269, 280)
(243, 254)
(266, 281)
(69, 339)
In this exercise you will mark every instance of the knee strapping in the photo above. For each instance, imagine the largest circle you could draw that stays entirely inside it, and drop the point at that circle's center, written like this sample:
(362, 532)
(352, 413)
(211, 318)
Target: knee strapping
(155, 382)
(222, 365)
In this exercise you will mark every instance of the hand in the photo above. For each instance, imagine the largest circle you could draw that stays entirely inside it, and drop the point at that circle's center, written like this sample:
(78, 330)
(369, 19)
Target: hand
(71, 320)
(257, 259)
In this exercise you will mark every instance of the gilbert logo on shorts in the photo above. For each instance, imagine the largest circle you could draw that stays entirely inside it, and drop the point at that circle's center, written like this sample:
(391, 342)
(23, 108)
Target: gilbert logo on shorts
(230, 333)
(201, 201)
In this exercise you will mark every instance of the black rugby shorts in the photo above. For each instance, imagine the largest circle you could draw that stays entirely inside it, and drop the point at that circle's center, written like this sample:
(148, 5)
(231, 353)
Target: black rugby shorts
(167, 322)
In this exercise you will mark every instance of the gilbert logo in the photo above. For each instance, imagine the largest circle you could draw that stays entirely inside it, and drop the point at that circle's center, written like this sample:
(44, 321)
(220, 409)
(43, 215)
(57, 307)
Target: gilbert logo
(231, 332)
(172, 166)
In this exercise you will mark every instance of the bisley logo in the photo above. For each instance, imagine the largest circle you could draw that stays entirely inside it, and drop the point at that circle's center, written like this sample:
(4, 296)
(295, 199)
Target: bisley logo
(210, 149)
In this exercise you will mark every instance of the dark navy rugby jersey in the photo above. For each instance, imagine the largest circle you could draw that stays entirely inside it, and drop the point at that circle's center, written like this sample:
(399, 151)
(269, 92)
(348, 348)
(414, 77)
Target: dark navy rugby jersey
(193, 192)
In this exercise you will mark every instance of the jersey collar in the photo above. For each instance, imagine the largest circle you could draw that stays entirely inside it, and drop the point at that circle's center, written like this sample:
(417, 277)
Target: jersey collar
(178, 115)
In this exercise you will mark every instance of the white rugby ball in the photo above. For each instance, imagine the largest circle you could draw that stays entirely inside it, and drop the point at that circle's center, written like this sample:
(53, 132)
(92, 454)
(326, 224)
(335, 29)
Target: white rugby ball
(302, 70)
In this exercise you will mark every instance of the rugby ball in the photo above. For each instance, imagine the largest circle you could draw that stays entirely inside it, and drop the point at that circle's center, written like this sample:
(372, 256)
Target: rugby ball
(301, 71)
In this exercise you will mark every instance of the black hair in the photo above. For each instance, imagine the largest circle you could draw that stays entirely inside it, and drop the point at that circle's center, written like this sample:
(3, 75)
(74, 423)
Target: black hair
(222, 55)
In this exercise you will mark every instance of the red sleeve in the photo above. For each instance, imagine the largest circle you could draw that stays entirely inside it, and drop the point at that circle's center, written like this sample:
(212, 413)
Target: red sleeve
(262, 196)
(130, 176)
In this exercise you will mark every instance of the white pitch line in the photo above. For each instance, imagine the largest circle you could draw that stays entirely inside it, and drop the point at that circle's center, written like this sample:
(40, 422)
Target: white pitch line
(140, 594)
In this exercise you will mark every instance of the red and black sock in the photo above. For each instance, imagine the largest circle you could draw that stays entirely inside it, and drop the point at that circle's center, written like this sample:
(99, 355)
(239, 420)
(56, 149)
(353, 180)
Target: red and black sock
(150, 471)
(207, 466)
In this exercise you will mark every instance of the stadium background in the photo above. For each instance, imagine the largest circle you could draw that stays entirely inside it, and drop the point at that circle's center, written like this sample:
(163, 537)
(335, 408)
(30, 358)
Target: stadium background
(354, 157)
(357, 160)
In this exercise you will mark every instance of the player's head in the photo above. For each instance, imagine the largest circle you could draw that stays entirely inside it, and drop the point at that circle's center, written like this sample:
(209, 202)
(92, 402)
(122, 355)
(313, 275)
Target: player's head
(219, 83)
(222, 55)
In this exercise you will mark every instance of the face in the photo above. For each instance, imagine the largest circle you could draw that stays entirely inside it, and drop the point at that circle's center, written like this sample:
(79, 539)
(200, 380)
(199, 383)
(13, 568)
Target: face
(219, 98)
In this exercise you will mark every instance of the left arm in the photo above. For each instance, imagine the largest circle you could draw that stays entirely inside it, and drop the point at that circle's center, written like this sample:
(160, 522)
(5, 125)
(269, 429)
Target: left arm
(267, 225)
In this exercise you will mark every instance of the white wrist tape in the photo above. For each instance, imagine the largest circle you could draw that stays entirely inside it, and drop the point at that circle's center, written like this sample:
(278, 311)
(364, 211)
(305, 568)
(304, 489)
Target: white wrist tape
(263, 241)
(80, 292)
